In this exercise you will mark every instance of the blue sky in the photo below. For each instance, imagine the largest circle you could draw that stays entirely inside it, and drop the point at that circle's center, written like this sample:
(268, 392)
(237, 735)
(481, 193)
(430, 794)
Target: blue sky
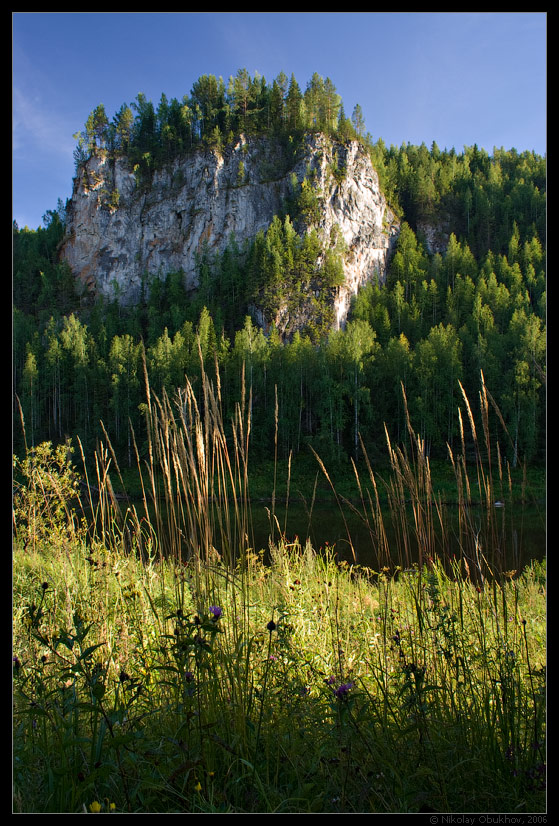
(457, 78)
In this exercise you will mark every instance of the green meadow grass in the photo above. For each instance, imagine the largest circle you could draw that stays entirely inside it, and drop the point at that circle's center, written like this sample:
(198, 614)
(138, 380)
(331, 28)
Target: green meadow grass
(157, 675)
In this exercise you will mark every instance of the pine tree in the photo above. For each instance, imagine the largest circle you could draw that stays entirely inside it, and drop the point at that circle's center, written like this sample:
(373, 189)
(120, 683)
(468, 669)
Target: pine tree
(358, 121)
(294, 105)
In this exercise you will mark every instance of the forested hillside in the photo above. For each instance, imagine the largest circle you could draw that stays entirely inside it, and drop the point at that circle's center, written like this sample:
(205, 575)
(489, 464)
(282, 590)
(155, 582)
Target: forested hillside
(465, 293)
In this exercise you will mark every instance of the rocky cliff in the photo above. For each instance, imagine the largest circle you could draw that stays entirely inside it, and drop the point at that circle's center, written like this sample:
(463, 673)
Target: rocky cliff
(121, 229)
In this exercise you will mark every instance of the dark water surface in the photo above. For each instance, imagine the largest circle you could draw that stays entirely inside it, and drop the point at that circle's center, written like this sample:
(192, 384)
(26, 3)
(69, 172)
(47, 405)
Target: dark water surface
(510, 536)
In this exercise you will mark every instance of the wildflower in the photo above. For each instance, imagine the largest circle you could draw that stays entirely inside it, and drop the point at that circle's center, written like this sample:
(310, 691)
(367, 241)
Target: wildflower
(95, 807)
(271, 626)
(216, 611)
(198, 787)
(342, 692)
(189, 677)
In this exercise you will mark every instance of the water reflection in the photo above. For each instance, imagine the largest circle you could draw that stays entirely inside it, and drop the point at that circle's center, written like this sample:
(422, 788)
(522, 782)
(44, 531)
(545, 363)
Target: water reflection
(509, 538)
(505, 539)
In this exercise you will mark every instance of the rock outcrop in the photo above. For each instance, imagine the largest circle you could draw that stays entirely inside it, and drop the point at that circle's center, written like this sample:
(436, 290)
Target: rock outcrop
(120, 230)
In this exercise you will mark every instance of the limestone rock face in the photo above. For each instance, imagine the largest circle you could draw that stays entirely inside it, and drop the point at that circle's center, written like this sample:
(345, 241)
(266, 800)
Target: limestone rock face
(120, 232)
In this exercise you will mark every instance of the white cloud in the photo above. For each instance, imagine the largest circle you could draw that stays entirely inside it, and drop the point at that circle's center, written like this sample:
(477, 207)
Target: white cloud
(36, 128)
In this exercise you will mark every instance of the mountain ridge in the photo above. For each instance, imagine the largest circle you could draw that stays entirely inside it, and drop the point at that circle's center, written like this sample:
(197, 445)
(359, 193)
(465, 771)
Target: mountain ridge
(121, 231)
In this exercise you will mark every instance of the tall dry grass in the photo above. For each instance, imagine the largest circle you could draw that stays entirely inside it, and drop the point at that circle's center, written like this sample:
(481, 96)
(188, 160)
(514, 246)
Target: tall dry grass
(405, 506)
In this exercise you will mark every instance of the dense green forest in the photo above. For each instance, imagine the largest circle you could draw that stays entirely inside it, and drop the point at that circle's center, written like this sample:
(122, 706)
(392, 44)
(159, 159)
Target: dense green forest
(440, 319)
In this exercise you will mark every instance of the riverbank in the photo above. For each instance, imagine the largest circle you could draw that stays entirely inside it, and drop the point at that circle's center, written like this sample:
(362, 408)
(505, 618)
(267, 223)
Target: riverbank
(302, 479)
(367, 520)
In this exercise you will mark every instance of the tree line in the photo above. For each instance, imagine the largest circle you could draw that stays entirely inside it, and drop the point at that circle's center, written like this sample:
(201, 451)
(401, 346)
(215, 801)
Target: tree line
(212, 115)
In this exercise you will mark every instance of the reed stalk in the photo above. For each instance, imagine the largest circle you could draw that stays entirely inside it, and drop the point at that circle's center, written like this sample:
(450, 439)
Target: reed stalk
(197, 474)
(421, 528)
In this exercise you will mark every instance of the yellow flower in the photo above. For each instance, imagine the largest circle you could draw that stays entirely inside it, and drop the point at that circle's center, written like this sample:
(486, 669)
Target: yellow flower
(198, 787)
(95, 806)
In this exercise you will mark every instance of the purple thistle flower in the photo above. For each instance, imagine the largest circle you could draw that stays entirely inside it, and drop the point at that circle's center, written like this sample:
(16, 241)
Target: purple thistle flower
(216, 611)
(342, 692)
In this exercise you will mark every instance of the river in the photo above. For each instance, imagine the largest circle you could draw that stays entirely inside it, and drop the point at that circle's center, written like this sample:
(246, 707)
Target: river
(508, 537)
(512, 536)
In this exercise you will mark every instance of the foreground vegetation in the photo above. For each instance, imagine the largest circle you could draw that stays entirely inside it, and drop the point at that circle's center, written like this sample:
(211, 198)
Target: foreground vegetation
(296, 686)
(153, 673)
